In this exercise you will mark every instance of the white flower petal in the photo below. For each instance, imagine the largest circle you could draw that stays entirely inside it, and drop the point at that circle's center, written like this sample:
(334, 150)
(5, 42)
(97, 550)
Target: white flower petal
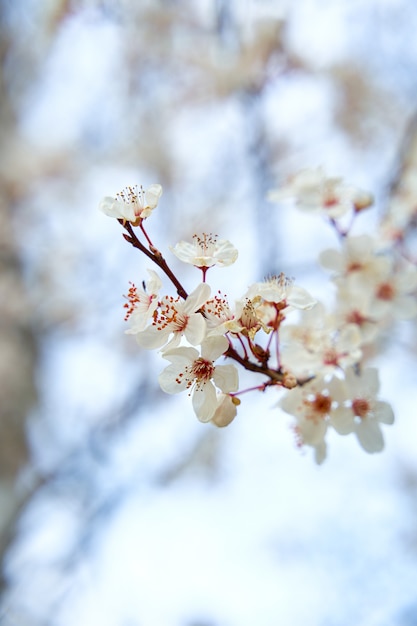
(152, 195)
(184, 251)
(342, 420)
(312, 431)
(204, 401)
(226, 253)
(384, 412)
(197, 298)
(226, 378)
(169, 380)
(152, 337)
(300, 298)
(369, 435)
(332, 260)
(291, 402)
(213, 347)
(364, 385)
(405, 307)
(320, 452)
(154, 284)
(226, 411)
(195, 330)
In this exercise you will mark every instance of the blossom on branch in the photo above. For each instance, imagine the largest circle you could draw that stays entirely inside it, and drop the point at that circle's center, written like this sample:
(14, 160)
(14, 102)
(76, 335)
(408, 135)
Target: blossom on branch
(221, 319)
(362, 413)
(312, 405)
(276, 294)
(391, 294)
(318, 360)
(314, 191)
(359, 255)
(133, 204)
(194, 371)
(355, 306)
(177, 317)
(317, 345)
(142, 303)
(206, 251)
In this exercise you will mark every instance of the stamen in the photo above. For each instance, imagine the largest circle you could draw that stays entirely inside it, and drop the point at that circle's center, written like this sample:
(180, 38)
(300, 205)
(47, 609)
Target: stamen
(132, 195)
(205, 242)
(133, 300)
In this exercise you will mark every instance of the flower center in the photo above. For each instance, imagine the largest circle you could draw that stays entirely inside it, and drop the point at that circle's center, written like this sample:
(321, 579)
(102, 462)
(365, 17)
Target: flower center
(331, 357)
(249, 320)
(206, 243)
(385, 292)
(361, 407)
(354, 266)
(202, 370)
(330, 200)
(320, 405)
(356, 317)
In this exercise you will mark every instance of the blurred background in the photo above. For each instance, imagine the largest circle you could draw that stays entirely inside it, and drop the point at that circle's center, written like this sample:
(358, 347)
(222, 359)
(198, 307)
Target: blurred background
(117, 507)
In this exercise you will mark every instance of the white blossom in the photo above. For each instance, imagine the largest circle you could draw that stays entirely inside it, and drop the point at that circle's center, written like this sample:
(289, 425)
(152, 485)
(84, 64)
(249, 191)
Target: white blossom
(177, 317)
(221, 319)
(312, 405)
(195, 372)
(362, 413)
(142, 303)
(206, 251)
(359, 256)
(281, 292)
(132, 204)
(318, 345)
(355, 306)
(396, 294)
(314, 191)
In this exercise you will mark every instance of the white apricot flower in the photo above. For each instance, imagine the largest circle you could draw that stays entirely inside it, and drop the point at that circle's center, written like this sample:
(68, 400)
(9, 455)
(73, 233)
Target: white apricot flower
(132, 204)
(221, 319)
(318, 345)
(314, 191)
(355, 306)
(401, 211)
(206, 251)
(281, 291)
(358, 256)
(392, 294)
(361, 412)
(396, 294)
(177, 317)
(197, 373)
(142, 303)
(312, 405)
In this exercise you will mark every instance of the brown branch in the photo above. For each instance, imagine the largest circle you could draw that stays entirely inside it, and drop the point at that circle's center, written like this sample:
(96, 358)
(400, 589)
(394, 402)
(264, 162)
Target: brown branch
(155, 256)
(276, 376)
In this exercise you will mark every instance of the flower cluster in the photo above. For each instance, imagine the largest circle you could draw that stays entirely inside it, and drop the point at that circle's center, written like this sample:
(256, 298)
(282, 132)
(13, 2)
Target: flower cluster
(276, 330)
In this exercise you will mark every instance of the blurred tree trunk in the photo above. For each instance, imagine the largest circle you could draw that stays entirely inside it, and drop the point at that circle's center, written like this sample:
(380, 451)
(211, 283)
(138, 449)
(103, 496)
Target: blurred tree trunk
(17, 345)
